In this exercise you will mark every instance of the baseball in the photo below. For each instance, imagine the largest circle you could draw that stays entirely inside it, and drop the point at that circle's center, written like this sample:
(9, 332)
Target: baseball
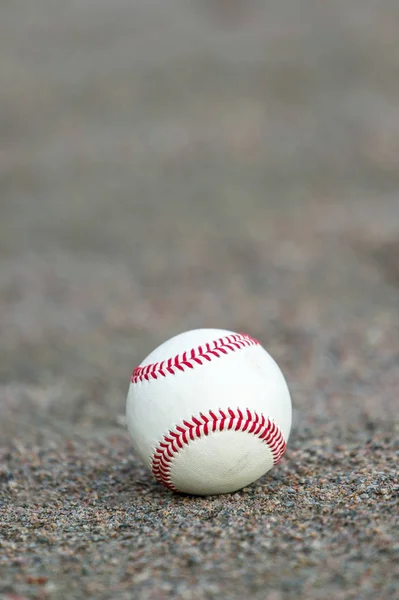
(209, 412)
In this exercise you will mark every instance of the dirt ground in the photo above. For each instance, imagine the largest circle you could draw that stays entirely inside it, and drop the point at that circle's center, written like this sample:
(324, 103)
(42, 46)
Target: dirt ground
(167, 165)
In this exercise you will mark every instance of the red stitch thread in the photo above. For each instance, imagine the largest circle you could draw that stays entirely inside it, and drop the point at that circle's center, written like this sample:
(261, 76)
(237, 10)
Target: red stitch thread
(264, 429)
(188, 360)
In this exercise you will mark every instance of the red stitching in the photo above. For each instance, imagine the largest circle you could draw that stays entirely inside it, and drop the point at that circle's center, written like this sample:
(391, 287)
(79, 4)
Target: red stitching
(197, 427)
(189, 358)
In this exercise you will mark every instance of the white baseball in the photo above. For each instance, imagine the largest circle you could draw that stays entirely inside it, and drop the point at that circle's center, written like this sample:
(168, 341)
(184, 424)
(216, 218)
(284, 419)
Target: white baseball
(209, 412)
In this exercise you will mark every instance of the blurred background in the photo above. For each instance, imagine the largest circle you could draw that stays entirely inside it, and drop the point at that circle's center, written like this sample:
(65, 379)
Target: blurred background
(170, 164)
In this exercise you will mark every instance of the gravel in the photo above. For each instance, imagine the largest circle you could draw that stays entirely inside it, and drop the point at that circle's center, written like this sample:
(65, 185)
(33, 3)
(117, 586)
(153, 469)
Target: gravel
(83, 519)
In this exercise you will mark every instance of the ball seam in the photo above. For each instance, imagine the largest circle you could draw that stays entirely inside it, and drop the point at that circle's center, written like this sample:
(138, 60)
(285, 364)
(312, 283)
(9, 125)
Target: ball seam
(205, 424)
(192, 358)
